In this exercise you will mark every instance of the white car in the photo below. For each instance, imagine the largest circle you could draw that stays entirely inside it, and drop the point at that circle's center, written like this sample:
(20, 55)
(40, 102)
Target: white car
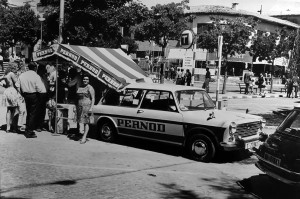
(180, 115)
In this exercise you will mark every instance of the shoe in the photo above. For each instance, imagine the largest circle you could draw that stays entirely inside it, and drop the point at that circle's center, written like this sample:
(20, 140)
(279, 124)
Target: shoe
(30, 135)
(83, 142)
(38, 130)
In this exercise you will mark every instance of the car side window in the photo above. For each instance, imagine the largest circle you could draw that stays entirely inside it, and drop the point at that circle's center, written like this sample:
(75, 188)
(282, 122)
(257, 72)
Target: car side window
(132, 97)
(159, 100)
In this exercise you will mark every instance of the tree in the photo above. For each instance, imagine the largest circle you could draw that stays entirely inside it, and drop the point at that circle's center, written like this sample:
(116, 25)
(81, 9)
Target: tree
(17, 25)
(236, 34)
(93, 22)
(269, 46)
(294, 63)
(163, 23)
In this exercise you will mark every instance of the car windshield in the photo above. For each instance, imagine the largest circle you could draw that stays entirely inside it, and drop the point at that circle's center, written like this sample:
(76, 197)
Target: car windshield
(190, 100)
(291, 124)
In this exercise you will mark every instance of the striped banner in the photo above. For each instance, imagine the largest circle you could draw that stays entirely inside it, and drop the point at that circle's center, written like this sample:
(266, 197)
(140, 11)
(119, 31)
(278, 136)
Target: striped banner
(111, 66)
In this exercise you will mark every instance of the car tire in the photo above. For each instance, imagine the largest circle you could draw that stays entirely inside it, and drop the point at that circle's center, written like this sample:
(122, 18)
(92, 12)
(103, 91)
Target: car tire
(201, 148)
(107, 131)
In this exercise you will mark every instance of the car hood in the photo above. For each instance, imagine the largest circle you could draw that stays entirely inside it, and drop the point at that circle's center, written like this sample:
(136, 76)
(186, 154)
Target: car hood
(219, 117)
(285, 144)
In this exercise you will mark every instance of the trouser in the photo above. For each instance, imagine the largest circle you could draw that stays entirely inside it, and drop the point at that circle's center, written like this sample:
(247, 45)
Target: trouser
(247, 88)
(31, 100)
(41, 110)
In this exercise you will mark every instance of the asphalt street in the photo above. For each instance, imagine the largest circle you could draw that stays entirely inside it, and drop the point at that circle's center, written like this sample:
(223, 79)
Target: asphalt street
(57, 167)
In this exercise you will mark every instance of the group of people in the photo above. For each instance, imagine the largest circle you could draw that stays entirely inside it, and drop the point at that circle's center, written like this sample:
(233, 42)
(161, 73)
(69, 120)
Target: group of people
(183, 78)
(251, 82)
(292, 85)
(31, 89)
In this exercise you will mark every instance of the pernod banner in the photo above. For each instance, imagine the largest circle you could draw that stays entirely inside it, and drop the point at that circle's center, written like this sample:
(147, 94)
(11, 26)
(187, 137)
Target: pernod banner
(80, 61)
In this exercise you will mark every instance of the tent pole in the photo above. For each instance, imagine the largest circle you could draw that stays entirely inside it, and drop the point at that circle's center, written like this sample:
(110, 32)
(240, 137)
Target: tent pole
(56, 93)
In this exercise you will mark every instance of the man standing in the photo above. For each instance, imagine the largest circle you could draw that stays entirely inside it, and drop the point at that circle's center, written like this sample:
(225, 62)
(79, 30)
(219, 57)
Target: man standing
(29, 84)
(188, 77)
(207, 80)
(247, 79)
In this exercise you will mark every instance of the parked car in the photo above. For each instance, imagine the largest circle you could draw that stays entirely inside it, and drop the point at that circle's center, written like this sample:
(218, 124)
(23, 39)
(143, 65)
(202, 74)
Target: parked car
(279, 156)
(175, 114)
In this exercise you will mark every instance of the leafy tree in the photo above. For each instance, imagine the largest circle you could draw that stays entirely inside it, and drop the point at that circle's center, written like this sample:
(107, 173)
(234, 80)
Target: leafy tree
(268, 47)
(17, 25)
(236, 34)
(93, 22)
(294, 63)
(162, 23)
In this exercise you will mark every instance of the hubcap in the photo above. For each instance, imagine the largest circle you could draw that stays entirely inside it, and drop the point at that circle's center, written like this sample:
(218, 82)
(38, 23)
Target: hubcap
(106, 131)
(199, 148)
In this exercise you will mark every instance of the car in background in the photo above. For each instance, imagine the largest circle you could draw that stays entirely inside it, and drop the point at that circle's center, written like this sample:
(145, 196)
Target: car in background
(174, 114)
(279, 156)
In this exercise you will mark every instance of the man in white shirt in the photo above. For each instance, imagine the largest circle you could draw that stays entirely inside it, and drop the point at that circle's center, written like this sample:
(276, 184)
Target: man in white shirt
(29, 84)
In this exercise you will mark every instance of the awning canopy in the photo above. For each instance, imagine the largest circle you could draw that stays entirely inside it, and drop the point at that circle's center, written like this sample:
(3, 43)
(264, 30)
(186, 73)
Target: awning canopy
(111, 66)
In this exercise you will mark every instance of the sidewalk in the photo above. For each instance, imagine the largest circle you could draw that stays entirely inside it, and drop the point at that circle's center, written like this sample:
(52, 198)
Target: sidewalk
(233, 91)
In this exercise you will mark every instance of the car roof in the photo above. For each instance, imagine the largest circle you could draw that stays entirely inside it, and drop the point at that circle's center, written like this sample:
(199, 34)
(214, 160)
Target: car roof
(169, 87)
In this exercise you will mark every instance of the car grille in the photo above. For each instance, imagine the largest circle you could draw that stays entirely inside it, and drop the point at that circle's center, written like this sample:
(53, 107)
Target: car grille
(247, 129)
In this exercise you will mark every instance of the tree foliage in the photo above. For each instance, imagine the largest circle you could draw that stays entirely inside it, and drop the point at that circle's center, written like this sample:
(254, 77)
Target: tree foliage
(294, 63)
(268, 46)
(19, 24)
(236, 34)
(93, 22)
(162, 23)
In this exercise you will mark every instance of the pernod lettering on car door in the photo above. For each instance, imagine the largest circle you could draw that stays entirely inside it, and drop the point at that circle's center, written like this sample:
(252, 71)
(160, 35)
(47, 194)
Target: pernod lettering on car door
(141, 125)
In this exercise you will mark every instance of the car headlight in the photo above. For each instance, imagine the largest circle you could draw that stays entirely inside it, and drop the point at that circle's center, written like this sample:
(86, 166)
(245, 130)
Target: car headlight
(232, 130)
(262, 123)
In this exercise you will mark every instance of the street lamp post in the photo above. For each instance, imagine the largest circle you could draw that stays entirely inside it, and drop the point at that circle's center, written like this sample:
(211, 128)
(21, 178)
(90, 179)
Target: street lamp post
(41, 19)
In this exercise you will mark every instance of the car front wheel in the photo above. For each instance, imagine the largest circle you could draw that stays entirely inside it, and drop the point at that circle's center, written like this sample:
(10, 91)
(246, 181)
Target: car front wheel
(201, 148)
(107, 131)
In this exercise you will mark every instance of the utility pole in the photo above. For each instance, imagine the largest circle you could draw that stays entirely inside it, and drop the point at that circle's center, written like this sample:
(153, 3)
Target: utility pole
(61, 20)
(220, 44)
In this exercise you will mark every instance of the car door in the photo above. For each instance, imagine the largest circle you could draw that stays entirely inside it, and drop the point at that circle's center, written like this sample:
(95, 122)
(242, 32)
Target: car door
(158, 118)
(126, 116)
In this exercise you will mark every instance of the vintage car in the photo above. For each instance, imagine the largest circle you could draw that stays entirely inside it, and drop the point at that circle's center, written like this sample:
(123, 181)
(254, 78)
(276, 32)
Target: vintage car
(279, 156)
(174, 114)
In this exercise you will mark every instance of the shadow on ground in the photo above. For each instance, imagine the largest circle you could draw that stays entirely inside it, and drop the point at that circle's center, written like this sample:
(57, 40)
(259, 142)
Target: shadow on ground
(208, 188)
(264, 187)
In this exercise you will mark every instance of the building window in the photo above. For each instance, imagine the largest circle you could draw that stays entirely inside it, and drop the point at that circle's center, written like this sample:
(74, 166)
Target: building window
(201, 27)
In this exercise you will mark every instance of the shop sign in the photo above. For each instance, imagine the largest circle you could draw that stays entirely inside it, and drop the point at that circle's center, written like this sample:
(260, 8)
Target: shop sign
(109, 79)
(68, 53)
(85, 64)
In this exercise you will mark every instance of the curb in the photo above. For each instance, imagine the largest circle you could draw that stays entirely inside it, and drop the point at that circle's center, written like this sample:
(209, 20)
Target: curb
(248, 96)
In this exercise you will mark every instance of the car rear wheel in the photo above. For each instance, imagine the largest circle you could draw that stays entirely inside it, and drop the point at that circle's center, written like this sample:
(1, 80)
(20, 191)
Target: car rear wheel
(201, 148)
(107, 131)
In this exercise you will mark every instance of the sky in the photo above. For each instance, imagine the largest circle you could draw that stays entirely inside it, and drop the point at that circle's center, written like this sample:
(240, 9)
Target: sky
(268, 6)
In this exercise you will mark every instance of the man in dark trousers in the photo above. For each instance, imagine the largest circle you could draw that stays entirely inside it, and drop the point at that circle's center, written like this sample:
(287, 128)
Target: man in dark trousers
(188, 77)
(247, 79)
(29, 84)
